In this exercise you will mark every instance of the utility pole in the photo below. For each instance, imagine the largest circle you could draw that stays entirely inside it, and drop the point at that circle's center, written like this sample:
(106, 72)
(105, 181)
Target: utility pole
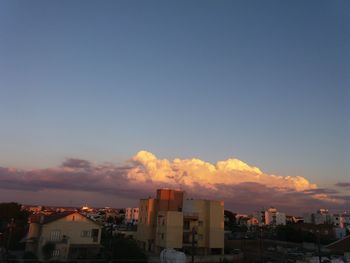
(319, 246)
(193, 243)
(260, 245)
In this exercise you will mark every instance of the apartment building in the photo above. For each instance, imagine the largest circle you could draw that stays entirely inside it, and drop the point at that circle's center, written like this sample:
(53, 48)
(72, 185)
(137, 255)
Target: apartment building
(132, 215)
(63, 236)
(341, 220)
(271, 217)
(171, 221)
(147, 224)
(322, 216)
(203, 221)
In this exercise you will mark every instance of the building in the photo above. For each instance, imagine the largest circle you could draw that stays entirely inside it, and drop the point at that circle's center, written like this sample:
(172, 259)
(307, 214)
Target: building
(132, 215)
(294, 219)
(271, 217)
(171, 221)
(63, 236)
(341, 246)
(206, 219)
(322, 216)
(341, 220)
(247, 220)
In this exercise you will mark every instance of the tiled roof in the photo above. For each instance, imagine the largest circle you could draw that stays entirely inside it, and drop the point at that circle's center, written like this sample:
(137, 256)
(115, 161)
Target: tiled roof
(341, 245)
(43, 219)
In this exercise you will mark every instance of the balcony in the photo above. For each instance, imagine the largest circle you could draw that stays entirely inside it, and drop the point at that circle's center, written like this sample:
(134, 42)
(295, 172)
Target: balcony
(191, 216)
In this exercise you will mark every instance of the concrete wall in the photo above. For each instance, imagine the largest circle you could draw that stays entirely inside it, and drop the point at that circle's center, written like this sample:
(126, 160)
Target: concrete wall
(169, 200)
(169, 229)
(146, 225)
(210, 223)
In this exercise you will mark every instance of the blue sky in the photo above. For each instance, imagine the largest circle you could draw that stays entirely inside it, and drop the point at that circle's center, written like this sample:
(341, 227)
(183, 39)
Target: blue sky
(264, 81)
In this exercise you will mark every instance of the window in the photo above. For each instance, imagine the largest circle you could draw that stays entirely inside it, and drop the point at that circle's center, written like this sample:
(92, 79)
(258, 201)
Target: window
(162, 236)
(55, 252)
(85, 233)
(55, 235)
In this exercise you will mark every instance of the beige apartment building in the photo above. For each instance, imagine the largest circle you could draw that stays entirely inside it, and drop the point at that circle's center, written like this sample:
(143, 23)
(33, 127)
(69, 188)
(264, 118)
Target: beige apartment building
(63, 236)
(171, 221)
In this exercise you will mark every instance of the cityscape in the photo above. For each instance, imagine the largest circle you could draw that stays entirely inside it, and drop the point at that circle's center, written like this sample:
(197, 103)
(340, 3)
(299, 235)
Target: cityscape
(175, 131)
(171, 227)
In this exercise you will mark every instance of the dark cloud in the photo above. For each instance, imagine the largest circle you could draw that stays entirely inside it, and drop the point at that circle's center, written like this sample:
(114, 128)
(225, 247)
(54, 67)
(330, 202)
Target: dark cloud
(82, 175)
(343, 184)
(76, 163)
(327, 191)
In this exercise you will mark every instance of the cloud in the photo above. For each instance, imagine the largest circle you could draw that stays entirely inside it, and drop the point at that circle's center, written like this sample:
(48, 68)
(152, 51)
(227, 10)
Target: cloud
(343, 184)
(194, 171)
(243, 187)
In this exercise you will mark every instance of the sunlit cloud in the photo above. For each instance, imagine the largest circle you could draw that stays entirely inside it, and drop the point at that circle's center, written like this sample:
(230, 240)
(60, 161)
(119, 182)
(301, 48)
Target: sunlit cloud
(240, 185)
(188, 172)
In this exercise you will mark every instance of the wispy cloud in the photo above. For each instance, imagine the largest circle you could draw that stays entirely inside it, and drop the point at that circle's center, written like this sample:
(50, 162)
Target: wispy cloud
(343, 184)
(241, 186)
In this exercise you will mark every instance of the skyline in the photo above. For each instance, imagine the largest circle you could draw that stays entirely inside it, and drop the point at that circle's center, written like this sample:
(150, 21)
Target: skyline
(265, 83)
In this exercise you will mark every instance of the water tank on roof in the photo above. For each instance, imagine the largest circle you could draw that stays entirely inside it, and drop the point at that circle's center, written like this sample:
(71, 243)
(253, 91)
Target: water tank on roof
(170, 255)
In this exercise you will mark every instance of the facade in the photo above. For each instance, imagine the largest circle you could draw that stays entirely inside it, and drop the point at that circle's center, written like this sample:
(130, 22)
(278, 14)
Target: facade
(132, 215)
(250, 221)
(322, 216)
(169, 230)
(170, 221)
(146, 225)
(206, 219)
(271, 217)
(341, 220)
(63, 236)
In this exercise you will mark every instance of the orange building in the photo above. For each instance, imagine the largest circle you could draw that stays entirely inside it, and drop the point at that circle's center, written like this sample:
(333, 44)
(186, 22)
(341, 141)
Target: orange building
(169, 200)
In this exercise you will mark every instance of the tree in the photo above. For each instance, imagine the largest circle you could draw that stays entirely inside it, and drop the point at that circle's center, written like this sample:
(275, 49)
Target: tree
(30, 257)
(120, 249)
(47, 249)
(110, 220)
(13, 223)
(230, 220)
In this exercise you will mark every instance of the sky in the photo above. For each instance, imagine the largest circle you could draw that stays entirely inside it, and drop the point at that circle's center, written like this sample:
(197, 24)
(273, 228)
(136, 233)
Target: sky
(263, 82)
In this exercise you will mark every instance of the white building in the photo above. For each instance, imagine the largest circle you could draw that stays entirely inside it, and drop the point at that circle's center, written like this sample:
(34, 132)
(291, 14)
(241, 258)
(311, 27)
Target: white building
(341, 221)
(271, 217)
(131, 215)
(322, 216)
